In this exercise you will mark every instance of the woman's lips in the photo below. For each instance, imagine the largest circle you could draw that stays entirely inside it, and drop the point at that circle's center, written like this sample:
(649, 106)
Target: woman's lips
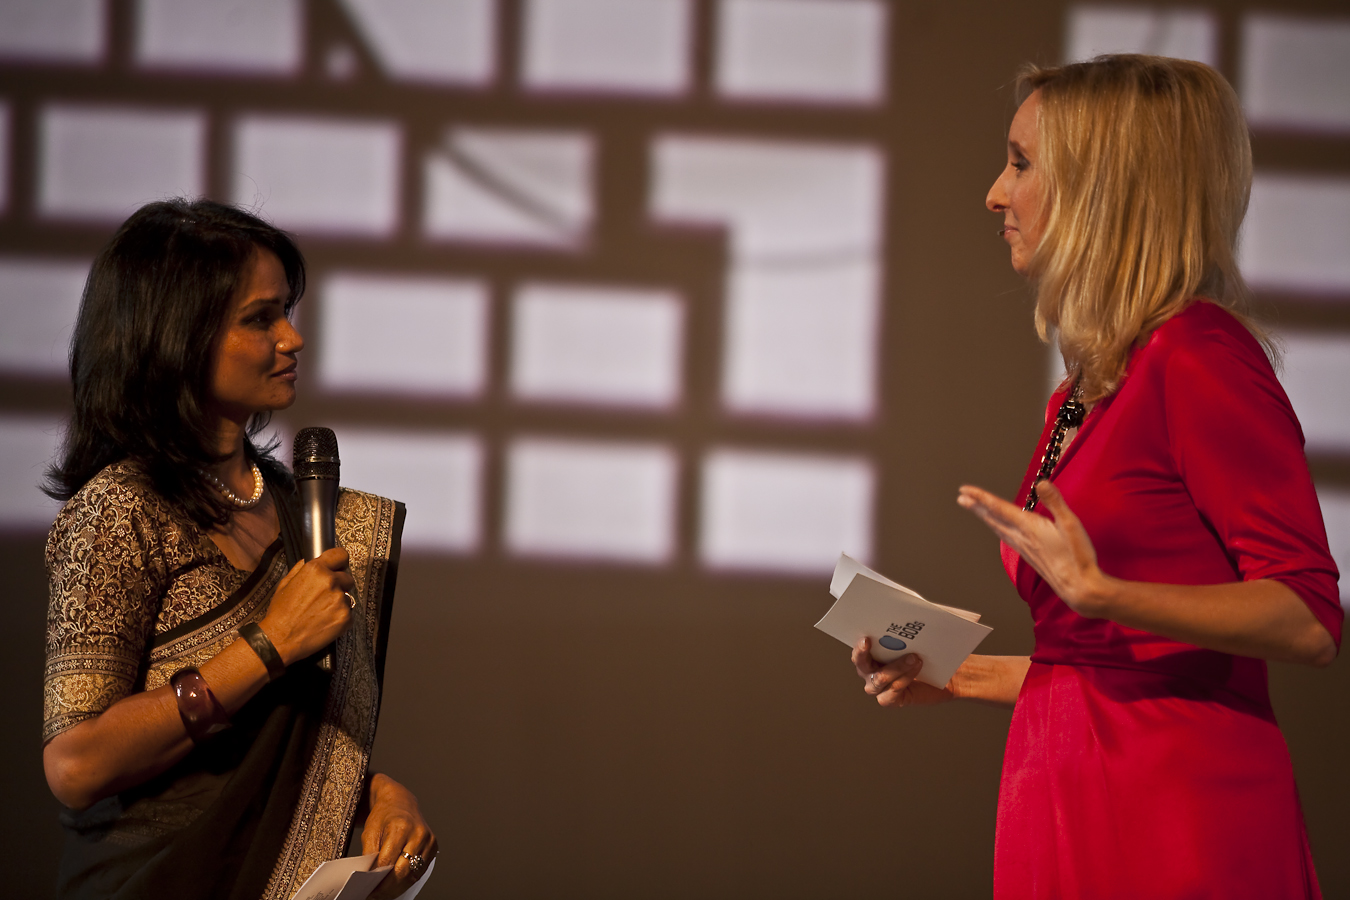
(287, 374)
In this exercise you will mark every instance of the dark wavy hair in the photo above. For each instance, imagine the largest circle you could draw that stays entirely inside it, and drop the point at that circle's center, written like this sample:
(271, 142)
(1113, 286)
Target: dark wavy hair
(144, 349)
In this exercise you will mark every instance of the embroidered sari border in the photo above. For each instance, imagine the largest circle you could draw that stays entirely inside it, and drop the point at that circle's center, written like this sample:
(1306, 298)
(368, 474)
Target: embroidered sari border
(335, 778)
(250, 583)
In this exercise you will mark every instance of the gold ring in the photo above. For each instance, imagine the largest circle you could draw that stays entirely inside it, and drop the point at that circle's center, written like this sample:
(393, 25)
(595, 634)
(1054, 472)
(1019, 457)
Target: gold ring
(415, 862)
(351, 601)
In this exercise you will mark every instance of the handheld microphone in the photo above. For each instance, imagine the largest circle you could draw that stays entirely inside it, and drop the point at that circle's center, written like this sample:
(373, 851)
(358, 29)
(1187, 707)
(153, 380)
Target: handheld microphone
(315, 464)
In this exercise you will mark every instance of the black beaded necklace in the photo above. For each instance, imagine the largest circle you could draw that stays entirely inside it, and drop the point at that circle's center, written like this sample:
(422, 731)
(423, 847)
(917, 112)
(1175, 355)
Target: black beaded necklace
(1071, 413)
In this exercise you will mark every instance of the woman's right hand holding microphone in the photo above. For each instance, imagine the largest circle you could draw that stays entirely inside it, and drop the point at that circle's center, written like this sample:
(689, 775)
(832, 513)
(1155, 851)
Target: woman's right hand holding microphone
(310, 607)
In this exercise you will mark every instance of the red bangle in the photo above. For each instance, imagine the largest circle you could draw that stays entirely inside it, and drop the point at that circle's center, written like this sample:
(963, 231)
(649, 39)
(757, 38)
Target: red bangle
(199, 709)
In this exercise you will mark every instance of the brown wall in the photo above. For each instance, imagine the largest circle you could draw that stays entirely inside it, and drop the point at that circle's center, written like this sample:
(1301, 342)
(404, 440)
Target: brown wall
(616, 732)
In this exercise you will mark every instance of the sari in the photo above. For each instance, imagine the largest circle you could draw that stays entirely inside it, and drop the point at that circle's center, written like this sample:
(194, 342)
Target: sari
(138, 593)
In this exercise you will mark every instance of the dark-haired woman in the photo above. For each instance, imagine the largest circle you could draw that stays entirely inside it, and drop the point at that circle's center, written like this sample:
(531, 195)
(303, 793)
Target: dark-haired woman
(210, 697)
(1166, 537)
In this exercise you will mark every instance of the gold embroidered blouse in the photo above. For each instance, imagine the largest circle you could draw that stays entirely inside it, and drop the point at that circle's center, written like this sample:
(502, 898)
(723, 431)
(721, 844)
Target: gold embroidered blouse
(125, 565)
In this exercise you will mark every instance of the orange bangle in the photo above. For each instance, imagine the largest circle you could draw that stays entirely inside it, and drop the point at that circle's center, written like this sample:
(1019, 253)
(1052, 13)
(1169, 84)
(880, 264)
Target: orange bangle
(199, 709)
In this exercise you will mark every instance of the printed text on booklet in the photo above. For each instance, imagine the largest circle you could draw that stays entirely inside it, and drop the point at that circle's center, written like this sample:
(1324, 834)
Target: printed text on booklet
(899, 621)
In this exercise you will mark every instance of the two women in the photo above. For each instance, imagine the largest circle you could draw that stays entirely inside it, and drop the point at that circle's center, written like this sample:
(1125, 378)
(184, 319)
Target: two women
(210, 698)
(1167, 536)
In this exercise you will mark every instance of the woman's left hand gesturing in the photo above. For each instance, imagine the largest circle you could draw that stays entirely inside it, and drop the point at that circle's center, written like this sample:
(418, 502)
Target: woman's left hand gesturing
(395, 827)
(1059, 549)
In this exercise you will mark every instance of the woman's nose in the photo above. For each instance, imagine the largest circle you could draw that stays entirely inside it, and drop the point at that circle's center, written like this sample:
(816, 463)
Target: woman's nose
(290, 340)
(996, 200)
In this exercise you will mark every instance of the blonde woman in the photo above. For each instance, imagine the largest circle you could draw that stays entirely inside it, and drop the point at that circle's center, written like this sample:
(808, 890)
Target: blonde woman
(1167, 536)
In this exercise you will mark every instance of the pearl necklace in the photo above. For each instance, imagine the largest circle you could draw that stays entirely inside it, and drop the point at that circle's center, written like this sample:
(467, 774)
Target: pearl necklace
(237, 501)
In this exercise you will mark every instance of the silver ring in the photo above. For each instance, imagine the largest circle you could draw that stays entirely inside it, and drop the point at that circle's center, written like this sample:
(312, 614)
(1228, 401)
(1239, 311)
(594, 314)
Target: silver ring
(351, 601)
(872, 679)
(415, 862)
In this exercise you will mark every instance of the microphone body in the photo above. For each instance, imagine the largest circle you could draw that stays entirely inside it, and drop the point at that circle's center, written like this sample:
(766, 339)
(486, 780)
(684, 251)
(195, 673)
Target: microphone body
(315, 464)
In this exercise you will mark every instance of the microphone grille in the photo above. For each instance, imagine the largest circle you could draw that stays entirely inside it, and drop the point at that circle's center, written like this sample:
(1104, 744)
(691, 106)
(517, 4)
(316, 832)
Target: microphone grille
(315, 454)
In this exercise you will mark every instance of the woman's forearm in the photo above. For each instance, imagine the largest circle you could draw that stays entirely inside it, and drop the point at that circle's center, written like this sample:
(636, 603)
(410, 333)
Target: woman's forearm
(992, 680)
(142, 735)
(1263, 619)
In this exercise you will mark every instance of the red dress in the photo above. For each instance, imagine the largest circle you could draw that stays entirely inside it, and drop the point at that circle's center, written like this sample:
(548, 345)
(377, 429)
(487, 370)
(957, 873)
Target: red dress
(1137, 766)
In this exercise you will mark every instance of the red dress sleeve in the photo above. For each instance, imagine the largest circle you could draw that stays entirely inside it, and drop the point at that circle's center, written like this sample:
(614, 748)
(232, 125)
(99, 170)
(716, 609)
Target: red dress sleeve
(1238, 447)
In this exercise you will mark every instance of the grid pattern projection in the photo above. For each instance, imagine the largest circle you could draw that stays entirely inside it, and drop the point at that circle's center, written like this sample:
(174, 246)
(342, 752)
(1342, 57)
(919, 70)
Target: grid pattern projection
(482, 337)
(802, 220)
(1293, 76)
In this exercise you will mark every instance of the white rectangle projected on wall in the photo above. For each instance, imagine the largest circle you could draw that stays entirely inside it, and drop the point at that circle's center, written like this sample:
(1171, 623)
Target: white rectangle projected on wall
(435, 41)
(1335, 504)
(601, 501)
(27, 445)
(1181, 33)
(784, 512)
(99, 163)
(1316, 376)
(510, 186)
(600, 345)
(403, 334)
(55, 31)
(244, 36)
(39, 299)
(437, 475)
(607, 46)
(803, 290)
(1296, 72)
(320, 175)
(1296, 236)
(813, 51)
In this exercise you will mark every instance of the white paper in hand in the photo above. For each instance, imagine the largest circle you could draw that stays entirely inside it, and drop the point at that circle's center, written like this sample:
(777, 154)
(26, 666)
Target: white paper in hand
(349, 878)
(899, 621)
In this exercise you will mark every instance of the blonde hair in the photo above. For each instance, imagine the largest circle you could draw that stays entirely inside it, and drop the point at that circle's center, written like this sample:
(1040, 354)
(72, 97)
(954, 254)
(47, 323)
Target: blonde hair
(1146, 165)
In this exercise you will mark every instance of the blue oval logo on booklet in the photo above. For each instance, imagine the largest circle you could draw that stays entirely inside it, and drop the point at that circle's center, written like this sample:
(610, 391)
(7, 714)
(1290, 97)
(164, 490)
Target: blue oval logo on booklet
(891, 643)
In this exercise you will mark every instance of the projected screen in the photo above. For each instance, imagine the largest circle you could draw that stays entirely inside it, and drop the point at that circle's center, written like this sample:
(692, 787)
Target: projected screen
(610, 294)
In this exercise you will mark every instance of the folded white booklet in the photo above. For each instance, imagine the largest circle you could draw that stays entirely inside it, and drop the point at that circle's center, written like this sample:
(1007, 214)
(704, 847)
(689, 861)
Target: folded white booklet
(352, 878)
(899, 621)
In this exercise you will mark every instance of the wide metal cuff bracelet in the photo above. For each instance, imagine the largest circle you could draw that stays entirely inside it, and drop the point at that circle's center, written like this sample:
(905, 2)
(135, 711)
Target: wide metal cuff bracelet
(266, 650)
